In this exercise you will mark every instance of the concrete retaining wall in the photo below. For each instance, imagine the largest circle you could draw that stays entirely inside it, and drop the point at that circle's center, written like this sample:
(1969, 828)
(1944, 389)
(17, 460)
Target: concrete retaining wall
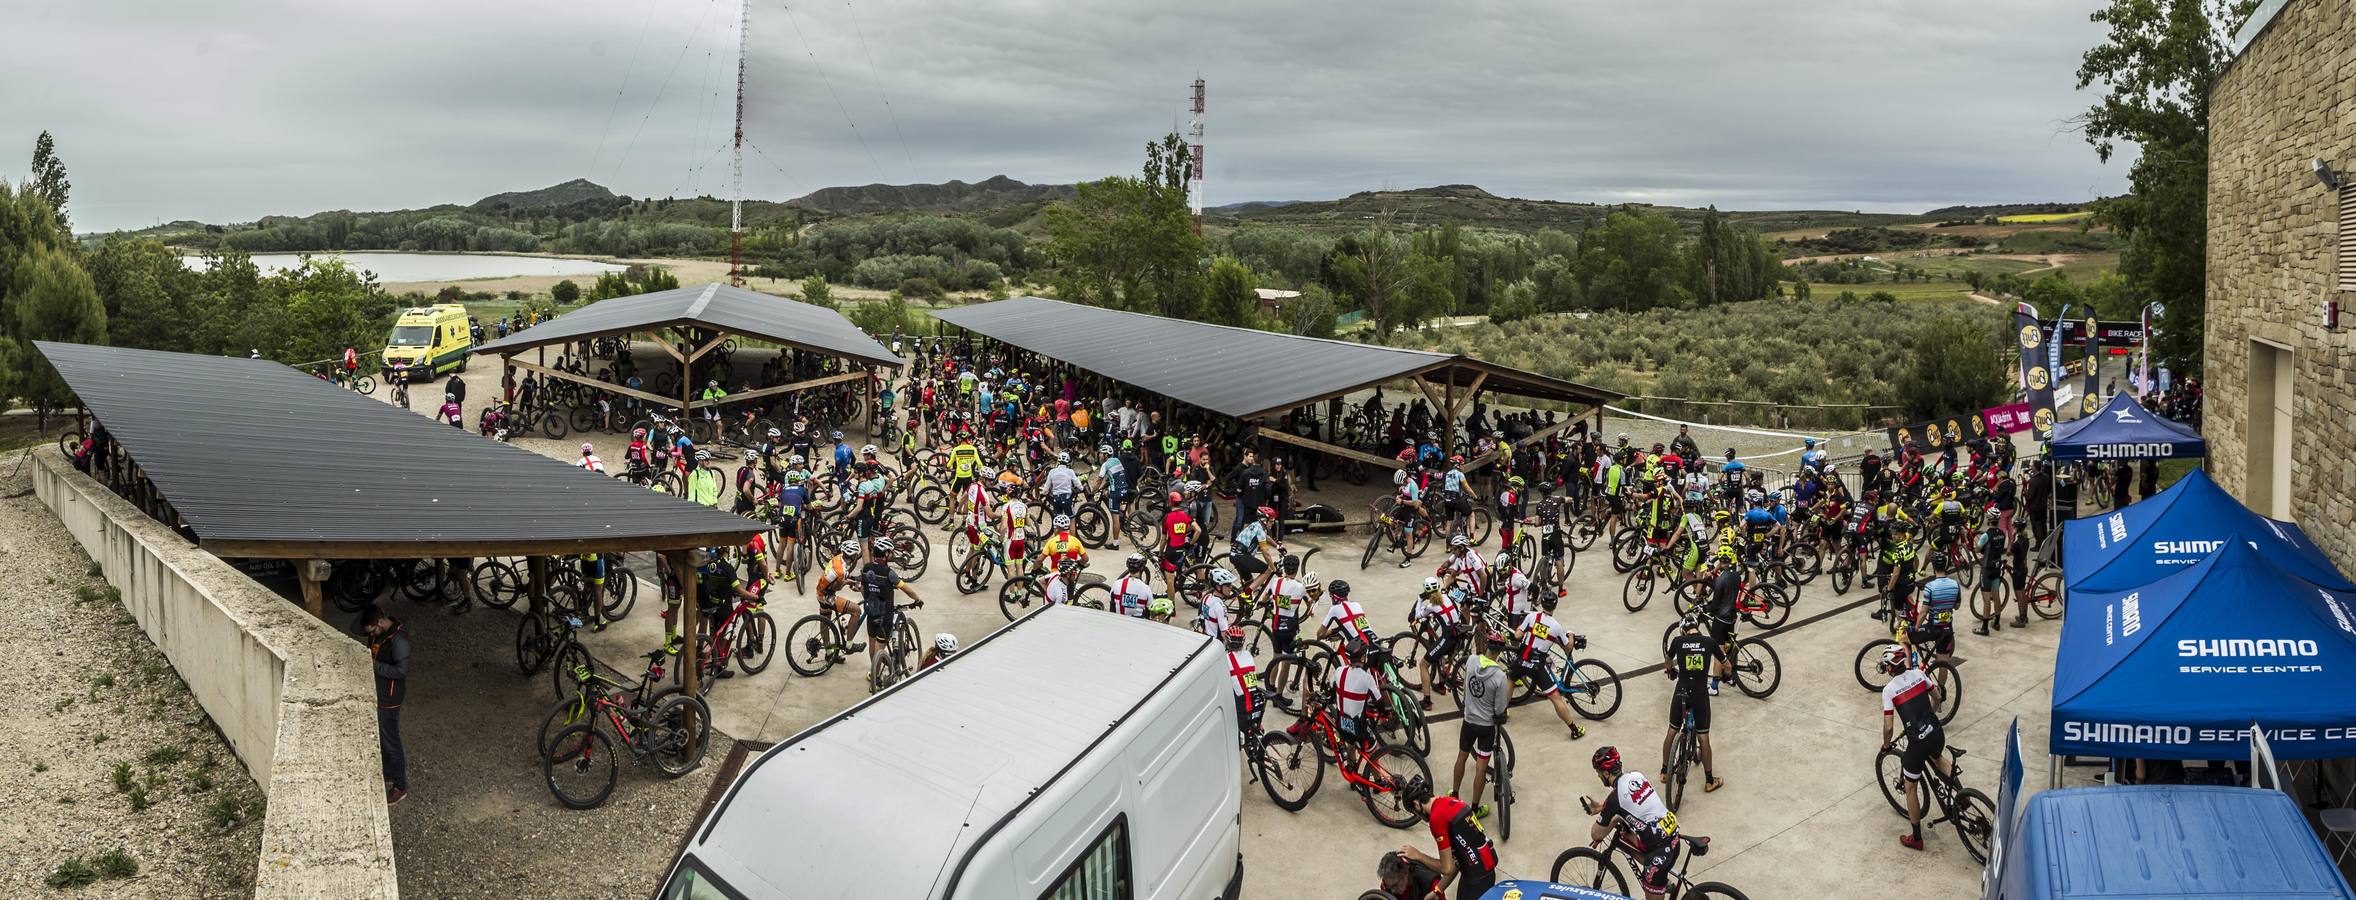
(296, 698)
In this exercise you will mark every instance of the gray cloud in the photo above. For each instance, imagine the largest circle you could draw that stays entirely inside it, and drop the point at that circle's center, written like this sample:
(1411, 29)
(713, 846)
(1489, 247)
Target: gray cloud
(224, 112)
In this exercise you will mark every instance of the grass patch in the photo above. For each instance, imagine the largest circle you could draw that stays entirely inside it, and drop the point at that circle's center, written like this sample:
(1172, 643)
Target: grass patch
(104, 680)
(72, 873)
(100, 739)
(84, 593)
(122, 777)
(222, 812)
(138, 799)
(200, 782)
(40, 767)
(95, 570)
(116, 864)
(112, 594)
(62, 704)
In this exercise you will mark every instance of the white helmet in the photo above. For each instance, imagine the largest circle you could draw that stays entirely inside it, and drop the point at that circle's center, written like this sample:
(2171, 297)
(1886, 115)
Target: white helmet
(1310, 581)
(1222, 578)
(1063, 522)
(1431, 585)
(1893, 656)
(586, 448)
(945, 643)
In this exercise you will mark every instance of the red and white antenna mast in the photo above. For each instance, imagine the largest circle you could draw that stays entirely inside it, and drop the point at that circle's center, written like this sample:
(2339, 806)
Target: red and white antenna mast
(744, 25)
(1194, 191)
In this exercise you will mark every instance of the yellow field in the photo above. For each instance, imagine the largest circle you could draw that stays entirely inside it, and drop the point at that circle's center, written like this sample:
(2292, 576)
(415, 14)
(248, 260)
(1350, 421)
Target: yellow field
(2043, 218)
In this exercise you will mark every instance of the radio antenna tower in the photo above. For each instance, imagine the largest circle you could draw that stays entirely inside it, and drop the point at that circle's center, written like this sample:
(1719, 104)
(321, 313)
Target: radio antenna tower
(744, 24)
(1195, 149)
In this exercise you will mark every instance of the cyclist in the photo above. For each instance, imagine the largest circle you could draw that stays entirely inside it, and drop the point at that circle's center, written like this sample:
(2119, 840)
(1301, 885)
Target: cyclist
(1439, 605)
(877, 584)
(711, 396)
(1178, 534)
(1058, 585)
(1133, 592)
(1725, 590)
(1252, 550)
(1063, 545)
(1062, 485)
(1510, 512)
(1463, 565)
(748, 484)
(1211, 618)
(590, 461)
(1550, 514)
(944, 646)
(785, 515)
(1405, 878)
(1635, 803)
(638, 454)
(1013, 536)
(1508, 584)
(1537, 630)
(1355, 687)
(1116, 490)
(1465, 855)
(836, 576)
(1933, 625)
(1408, 506)
(1290, 601)
(1345, 619)
(1488, 690)
(1897, 566)
(451, 412)
(703, 481)
(1245, 672)
(1691, 659)
(1456, 496)
(1906, 700)
(964, 461)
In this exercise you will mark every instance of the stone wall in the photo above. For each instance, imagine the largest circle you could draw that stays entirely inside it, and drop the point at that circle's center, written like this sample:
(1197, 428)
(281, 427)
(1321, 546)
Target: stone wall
(2289, 99)
(296, 699)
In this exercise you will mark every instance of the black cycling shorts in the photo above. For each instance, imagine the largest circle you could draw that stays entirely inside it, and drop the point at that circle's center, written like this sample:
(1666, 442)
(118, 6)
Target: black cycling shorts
(1247, 565)
(1691, 698)
(1445, 644)
(1478, 740)
(1921, 748)
(1940, 639)
(1535, 671)
(1457, 504)
(1654, 875)
(879, 618)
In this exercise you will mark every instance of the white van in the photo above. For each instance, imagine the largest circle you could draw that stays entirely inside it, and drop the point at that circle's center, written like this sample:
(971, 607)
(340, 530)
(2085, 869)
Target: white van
(1072, 755)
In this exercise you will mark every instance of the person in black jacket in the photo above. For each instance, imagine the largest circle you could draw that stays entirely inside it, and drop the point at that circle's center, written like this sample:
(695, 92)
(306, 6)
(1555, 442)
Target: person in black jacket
(389, 648)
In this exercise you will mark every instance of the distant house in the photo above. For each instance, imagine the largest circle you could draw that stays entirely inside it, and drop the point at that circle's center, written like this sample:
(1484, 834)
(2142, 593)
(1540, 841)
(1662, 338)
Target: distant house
(1271, 298)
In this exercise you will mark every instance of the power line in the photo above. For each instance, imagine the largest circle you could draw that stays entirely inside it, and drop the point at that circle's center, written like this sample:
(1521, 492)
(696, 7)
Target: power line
(691, 173)
(658, 91)
(797, 183)
(838, 98)
(607, 132)
(875, 76)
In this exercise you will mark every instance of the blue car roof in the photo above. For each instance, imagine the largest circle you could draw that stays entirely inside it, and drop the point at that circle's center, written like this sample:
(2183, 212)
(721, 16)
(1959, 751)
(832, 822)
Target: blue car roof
(2167, 841)
(1545, 890)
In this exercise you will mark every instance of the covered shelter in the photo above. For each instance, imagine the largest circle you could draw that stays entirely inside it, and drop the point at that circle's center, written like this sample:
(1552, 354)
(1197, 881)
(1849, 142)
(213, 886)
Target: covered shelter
(1251, 375)
(254, 460)
(2180, 667)
(2178, 527)
(2123, 429)
(688, 324)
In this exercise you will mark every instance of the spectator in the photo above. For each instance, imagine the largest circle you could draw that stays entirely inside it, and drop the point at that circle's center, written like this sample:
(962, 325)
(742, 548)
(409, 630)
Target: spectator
(389, 647)
(1683, 447)
(1251, 492)
(2148, 482)
(456, 388)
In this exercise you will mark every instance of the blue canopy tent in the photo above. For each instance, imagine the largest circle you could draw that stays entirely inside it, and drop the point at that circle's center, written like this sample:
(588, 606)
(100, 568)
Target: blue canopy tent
(2123, 429)
(2178, 668)
(2176, 528)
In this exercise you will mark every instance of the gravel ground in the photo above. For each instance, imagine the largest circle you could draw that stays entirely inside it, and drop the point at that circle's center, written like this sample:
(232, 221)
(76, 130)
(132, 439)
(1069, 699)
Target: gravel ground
(101, 698)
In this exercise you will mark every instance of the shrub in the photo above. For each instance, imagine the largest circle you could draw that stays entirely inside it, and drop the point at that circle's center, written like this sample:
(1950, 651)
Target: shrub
(72, 873)
(117, 864)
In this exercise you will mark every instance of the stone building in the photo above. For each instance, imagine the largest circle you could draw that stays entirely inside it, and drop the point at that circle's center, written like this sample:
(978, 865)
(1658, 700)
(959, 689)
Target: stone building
(2280, 386)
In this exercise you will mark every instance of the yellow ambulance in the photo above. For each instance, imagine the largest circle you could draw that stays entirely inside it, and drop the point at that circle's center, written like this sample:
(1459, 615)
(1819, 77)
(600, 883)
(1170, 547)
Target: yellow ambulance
(430, 339)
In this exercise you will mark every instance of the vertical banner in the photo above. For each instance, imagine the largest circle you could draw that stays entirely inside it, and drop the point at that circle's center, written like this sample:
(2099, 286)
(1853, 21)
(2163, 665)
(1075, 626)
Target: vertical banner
(2008, 794)
(2053, 362)
(2143, 385)
(2036, 376)
(2092, 400)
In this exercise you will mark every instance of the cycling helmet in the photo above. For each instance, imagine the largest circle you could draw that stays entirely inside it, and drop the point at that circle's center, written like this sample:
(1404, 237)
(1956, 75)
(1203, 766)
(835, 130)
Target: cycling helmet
(1504, 559)
(1222, 578)
(1623, 437)
(1234, 636)
(703, 455)
(796, 460)
(1893, 658)
(1459, 542)
(749, 455)
(1606, 760)
(1807, 442)
(1159, 606)
(1455, 461)
(883, 547)
(794, 477)
(1754, 496)
(586, 447)
(1309, 581)
(869, 450)
(851, 547)
(1104, 449)
(1266, 512)
(1431, 585)
(836, 436)
(1517, 481)
(1872, 495)
(1177, 498)
(450, 398)
(1063, 522)
(800, 427)
(1415, 792)
(1719, 515)
(1070, 565)
(1063, 456)
(1407, 454)
(988, 473)
(945, 643)
(774, 433)
(1135, 561)
(1338, 588)
(712, 383)
(1832, 468)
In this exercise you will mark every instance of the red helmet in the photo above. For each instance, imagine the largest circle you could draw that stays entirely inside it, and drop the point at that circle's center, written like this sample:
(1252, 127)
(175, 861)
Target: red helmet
(1407, 454)
(1267, 512)
(1606, 759)
(1176, 498)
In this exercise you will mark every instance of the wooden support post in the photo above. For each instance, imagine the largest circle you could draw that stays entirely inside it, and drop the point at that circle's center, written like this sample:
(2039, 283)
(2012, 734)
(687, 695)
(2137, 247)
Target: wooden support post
(1277, 434)
(536, 583)
(592, 382)
(683, 568)
(307, 572)
(1470, 394)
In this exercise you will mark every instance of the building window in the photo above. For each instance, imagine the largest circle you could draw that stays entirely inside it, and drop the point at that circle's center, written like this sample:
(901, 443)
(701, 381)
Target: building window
(1102, 873)
(2345, 252)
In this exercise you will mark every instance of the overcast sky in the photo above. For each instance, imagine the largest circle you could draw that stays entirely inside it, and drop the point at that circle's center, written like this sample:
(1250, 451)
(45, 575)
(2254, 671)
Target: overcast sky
(224, 112)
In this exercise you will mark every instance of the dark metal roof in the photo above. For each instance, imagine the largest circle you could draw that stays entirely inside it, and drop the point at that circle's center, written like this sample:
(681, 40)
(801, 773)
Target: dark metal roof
(716, 306)
(1232, 371)
(262, 460)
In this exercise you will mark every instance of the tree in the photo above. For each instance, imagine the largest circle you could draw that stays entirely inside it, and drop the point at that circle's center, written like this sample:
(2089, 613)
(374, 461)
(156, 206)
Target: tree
(609, 286)
(1229, 295)
(1312, 313)
(658, 278)
(150, 296)
(2156, 67)
(1129, 243)
(51, 299)
(884, 316)
(565, 291)
(816, 293)
(1632, 262)
(1953, 369)
(48, 180)
(1518, 300)
(1382, 275)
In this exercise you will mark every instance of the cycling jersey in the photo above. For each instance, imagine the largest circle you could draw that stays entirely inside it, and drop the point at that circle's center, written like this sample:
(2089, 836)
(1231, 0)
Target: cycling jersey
(1939, 598)
(838, 570)
(1350, 619)
(1057, 591)
(1213, 615)
(1438, 605)
(963, 459)
(1757, 520)
(1243, 674)
(1177, 528)
(1353, 686)
(1061, 546)
(1290, 599)
(1908, 696)
(592, 463)
(1468, 569)
(1460, 836)
(1249, 539)
(1515, 589)
(1689, 659)
(1538, 630)
(1131, 595)
(1634, 798)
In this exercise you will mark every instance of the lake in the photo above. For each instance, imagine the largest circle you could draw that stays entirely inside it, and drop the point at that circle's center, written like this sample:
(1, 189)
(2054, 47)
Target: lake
(393, 268)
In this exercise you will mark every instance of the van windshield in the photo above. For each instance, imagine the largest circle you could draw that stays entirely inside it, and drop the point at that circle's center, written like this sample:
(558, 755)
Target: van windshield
(411, 336)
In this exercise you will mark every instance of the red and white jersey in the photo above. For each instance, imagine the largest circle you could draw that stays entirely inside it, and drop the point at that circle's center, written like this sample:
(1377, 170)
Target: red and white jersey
(1011, 516)
(1347, 616)
(1213, 616)
(1515, 589)
(592, 463)
(1538, 630)
(1243, 674)
(1130, 596)
(977, 503)
(1291, 599)
(1439, 603)
(1057, 592)
(1635, 796)
(1468, 569)
(1353, 686)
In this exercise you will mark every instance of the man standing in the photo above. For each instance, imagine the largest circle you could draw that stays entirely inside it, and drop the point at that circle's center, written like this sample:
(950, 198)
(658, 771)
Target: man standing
(389, 648)
(1251, 492)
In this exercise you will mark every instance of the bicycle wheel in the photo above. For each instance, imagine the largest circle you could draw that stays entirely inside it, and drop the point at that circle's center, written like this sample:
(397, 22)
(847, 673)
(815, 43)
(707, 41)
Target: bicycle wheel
(2045, 596)
(881, 673)
(1018, 596)
(1774, 607)
(1805, 564)
(580, 767)
(1592, 689)
(1094, 595)
(365, 384)
(1501, 779)
(1627, 549)
(1844, 574)
(1757, 670)
(931, 504)
(561, 715)
(1713, 889)
(1374, 543)
(621, 592)
(1638, 590)
(1673, 780)
(564, 674)
(1480, 525)
(552, 425)
(1388, 769)
(813, 645)
(1584, 532)
(1975, 822)
(1869, 664)
(1289, 679)
(1590, 868)
(498, 585)
(1092, 526)
(974, 575)
(1290, 771)
(676, 734)
(1887, 771)
(583, 419)
(1407, 651)
(756, 644)
(1946, 690)
(532, 644)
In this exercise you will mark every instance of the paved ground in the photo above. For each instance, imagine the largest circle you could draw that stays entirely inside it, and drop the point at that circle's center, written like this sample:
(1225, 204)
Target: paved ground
(1801, 816)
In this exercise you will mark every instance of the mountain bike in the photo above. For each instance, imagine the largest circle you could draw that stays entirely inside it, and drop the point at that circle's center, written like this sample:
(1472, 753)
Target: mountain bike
(1946, 680)
(1023, 592)
(1599, 869)
(1972, 813)
(579, 764)
(747, 635)
(1286, 768)
(898, 659)
(1589, 685)
(1683, 751)
(572, 710)
(1408, 537)
(1376, 772)
(1758, 670)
